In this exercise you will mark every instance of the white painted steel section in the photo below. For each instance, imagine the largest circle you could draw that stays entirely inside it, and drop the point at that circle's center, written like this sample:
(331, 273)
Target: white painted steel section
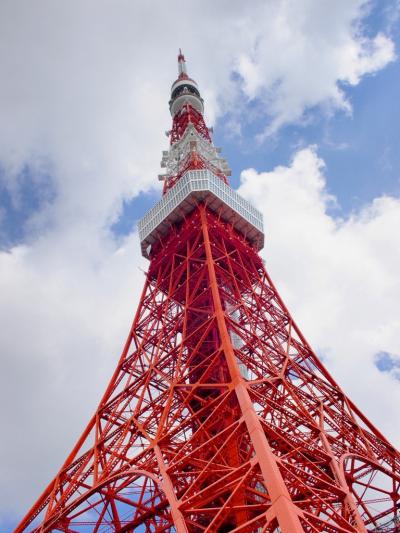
(186, 98)
(196, 186)
(237, 341)
(192, 141)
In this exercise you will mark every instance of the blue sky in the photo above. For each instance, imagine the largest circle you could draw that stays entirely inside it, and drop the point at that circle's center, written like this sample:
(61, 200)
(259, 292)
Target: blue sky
(359, 147)
(304, 93)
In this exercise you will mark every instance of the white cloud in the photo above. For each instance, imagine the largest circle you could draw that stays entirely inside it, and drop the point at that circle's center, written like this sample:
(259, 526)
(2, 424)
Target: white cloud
(83, 102)
(84, 84)
(307, 53)
(65, 312)
(340, 278)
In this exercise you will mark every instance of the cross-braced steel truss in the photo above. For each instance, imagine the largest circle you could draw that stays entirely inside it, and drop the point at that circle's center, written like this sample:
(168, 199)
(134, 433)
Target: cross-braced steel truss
(219, 416)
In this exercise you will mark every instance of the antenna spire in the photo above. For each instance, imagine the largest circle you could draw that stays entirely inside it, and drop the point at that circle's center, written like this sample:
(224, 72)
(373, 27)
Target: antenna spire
(181, 65)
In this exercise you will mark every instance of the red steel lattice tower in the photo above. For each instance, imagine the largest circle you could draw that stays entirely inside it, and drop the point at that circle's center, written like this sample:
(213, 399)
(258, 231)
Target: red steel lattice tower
(219, 416)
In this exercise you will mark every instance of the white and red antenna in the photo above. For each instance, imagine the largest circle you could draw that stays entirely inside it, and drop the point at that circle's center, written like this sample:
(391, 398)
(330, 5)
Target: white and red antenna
(181, 65)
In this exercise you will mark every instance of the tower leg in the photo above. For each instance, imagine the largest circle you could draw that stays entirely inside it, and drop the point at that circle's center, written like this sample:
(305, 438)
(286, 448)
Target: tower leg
(285, 510)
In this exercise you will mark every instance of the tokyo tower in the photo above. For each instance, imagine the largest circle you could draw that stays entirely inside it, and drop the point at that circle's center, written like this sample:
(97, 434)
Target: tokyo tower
(219, 416)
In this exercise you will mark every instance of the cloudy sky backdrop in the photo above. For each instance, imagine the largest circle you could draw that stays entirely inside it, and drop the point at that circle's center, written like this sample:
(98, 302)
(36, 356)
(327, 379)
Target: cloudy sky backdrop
(303, 97)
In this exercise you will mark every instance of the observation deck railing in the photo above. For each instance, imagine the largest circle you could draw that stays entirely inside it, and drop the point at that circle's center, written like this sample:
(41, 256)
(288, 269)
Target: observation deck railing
(201, 186)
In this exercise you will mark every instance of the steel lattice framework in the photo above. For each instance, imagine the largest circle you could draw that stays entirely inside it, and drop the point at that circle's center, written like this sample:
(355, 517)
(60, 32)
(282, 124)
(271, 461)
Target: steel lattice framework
(219, 416)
